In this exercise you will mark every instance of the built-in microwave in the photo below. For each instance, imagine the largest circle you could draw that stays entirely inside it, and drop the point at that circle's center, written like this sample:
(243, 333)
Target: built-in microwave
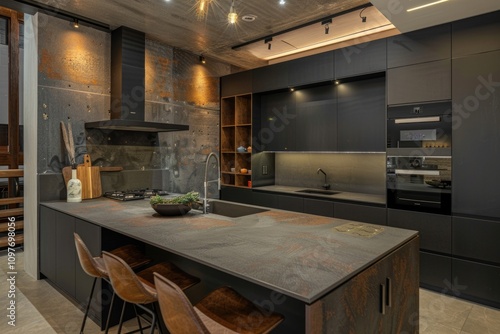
(419, 183)
(419, 130)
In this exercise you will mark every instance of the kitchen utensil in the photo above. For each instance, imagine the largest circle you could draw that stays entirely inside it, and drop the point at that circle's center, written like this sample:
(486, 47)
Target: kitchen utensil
(66, 172)
(90, 177)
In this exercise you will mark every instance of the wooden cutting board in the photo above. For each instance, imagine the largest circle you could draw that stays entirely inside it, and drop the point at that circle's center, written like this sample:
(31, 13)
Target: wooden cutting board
(90, 177)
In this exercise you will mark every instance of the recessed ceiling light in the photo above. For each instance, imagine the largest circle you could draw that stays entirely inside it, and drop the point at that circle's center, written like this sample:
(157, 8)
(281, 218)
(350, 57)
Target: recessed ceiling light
(249, 18)
(282, 2)
(426, 5)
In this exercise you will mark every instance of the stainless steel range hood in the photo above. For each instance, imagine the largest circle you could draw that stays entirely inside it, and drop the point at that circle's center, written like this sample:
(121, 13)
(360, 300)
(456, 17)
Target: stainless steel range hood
(127, 86)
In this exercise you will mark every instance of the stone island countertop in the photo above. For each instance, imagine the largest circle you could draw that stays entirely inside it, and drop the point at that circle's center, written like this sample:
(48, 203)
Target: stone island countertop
(302, 256)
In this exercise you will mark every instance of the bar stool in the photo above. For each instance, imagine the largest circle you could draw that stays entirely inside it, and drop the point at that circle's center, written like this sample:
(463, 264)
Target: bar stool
(139, 289)
(94, 267)
(223, 311)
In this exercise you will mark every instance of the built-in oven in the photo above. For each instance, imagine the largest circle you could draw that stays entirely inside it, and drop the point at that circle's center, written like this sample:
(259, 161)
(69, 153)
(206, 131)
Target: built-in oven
(419, 130)
(419, 183)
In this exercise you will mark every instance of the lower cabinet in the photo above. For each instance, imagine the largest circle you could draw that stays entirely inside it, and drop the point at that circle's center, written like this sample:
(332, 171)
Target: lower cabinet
(291, 203)
(362, 213)
(318, 207)
(435, 271)
(381, 299)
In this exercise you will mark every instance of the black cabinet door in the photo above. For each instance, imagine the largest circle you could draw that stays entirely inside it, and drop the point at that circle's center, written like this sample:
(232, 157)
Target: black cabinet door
(476, 135)
(291, 203)
(316, 123)
(435, 271)
(477, 282)
(91, 236)
(48, 243)
(435, 230)
(239, 195)
(476, 34)
(318, 207)
(316, 68)
(476, 239)
(278, 121)
(362, 213)
(270, 77)
(269, 200)
(361, 115)
(65, 253)
(419, 83)
(361, 59)
(419, 46)
(236, 84)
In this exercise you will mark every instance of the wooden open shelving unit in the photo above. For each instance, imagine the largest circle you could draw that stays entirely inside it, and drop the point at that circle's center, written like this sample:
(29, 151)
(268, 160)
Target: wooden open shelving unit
(236, 131)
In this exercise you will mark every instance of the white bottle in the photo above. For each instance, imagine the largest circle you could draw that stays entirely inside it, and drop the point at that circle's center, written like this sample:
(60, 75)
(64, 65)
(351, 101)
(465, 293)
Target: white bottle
(74, 188)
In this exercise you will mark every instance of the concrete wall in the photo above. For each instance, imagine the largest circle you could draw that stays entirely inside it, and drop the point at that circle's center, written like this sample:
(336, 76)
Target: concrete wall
(74, 85)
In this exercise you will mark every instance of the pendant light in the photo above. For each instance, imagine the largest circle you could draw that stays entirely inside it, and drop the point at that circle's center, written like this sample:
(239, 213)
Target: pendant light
(232, 17)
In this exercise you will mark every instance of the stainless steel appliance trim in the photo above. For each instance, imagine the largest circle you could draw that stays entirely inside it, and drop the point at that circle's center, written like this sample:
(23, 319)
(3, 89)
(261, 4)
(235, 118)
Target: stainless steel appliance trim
(416, 172)
(417, 200)
(417, 120)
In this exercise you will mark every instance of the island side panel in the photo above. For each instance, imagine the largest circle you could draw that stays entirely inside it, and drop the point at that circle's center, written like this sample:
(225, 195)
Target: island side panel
(381, 299)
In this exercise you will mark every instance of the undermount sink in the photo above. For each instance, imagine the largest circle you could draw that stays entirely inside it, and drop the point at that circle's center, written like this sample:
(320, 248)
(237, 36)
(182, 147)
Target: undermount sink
(318, 191)
(232, 210)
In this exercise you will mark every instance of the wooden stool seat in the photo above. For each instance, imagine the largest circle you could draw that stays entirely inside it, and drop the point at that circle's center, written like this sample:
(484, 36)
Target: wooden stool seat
(223, 311)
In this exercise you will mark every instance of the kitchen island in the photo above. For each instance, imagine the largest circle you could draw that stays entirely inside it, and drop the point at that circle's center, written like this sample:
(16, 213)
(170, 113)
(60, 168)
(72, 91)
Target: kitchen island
(325, 275)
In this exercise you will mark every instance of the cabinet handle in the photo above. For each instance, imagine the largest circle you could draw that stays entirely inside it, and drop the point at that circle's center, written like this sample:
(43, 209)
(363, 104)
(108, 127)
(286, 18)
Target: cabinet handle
(388, 296)
(382, 298)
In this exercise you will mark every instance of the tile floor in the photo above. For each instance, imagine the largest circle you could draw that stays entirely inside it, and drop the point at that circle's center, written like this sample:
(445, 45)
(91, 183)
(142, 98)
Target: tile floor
(40, 309)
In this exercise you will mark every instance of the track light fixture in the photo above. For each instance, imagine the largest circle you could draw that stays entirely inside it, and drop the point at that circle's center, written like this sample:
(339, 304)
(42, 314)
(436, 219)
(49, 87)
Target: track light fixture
(363, 18)
(232, 17)
(75, 24)
(268, 42)
(203, 60)
(326, 24)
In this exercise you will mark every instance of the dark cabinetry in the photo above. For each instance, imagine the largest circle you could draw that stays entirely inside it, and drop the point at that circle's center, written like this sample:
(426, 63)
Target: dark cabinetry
(278, 119)
(311, 69)
(65, 253)
(270, 77)
(316, 121)
(435, 271)
(361, 115)
(291, 203)
(236, 84)
(476, 35)
(361, 59)
(419, 46)
(419, 83)
(362, 213)
(48, 243)
(319, 207)
(476, 105)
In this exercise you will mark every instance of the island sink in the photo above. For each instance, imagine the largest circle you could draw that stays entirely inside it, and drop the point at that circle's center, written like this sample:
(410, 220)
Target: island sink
(232, 210)
(318, 191)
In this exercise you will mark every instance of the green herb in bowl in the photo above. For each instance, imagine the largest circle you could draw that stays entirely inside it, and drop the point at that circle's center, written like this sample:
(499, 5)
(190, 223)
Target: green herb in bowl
(186, 199)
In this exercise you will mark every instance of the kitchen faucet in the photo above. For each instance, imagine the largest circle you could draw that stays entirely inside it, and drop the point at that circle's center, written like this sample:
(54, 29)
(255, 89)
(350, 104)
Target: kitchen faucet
(326, 186)
(205, 183)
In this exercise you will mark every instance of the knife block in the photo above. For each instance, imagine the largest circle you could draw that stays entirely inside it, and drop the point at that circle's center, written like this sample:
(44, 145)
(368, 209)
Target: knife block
(91, 181)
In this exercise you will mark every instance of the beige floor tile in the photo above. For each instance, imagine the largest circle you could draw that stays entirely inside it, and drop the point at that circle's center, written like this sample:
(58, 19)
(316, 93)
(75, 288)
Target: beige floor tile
(482, 320)
(439, 309)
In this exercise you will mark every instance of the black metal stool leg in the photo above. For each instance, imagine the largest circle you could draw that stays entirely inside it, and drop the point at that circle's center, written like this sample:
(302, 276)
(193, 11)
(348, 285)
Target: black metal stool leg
(138, 319)
(88, 306)
(109, 313)
(121, 317)
(158, 318)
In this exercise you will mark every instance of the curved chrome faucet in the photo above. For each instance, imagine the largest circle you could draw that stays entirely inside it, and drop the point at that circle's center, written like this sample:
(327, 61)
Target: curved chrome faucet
(326, 186)
(205, 183)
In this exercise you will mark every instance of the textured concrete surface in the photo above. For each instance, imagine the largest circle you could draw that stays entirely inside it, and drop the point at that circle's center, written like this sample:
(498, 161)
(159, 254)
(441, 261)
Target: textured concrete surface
(299, 255)
(74, 85)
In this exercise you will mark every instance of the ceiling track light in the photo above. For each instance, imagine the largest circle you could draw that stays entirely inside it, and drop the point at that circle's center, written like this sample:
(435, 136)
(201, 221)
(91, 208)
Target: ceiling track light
(363, 18)
(268, 42)
(203, 60)
(232, 17)
(326, 24)
(75, 24)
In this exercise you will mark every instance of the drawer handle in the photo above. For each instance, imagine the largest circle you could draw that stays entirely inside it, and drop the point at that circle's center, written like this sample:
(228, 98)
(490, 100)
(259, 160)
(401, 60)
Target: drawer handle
(388, 296)
(382, 298)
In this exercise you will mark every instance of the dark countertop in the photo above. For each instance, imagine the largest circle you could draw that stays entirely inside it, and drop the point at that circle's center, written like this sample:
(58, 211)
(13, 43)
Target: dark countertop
(302, 256)
(342, 195)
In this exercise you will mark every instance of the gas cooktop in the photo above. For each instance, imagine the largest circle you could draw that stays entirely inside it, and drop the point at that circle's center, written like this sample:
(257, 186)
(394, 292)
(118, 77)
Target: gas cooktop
(136, 194)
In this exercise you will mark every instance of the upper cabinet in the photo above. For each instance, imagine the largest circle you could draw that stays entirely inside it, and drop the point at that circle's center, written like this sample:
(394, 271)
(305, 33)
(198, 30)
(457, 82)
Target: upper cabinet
(361, 116)
(270, 77)
(476, 35)
(311, 69)
(361, 59)
(419, 83)
(236, 84)
(419, 46)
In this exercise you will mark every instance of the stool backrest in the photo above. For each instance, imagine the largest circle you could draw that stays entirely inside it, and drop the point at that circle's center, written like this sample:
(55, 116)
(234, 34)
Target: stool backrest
(125, 282)
(176, 309)
(87, 261)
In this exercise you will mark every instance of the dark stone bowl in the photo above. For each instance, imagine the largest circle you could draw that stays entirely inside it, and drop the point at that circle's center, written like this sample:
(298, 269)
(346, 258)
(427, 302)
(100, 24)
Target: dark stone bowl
(171, 209)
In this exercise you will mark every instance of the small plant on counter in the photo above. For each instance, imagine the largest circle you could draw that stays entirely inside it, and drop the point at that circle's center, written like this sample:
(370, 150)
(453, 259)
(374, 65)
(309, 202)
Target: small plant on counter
(186, 199)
